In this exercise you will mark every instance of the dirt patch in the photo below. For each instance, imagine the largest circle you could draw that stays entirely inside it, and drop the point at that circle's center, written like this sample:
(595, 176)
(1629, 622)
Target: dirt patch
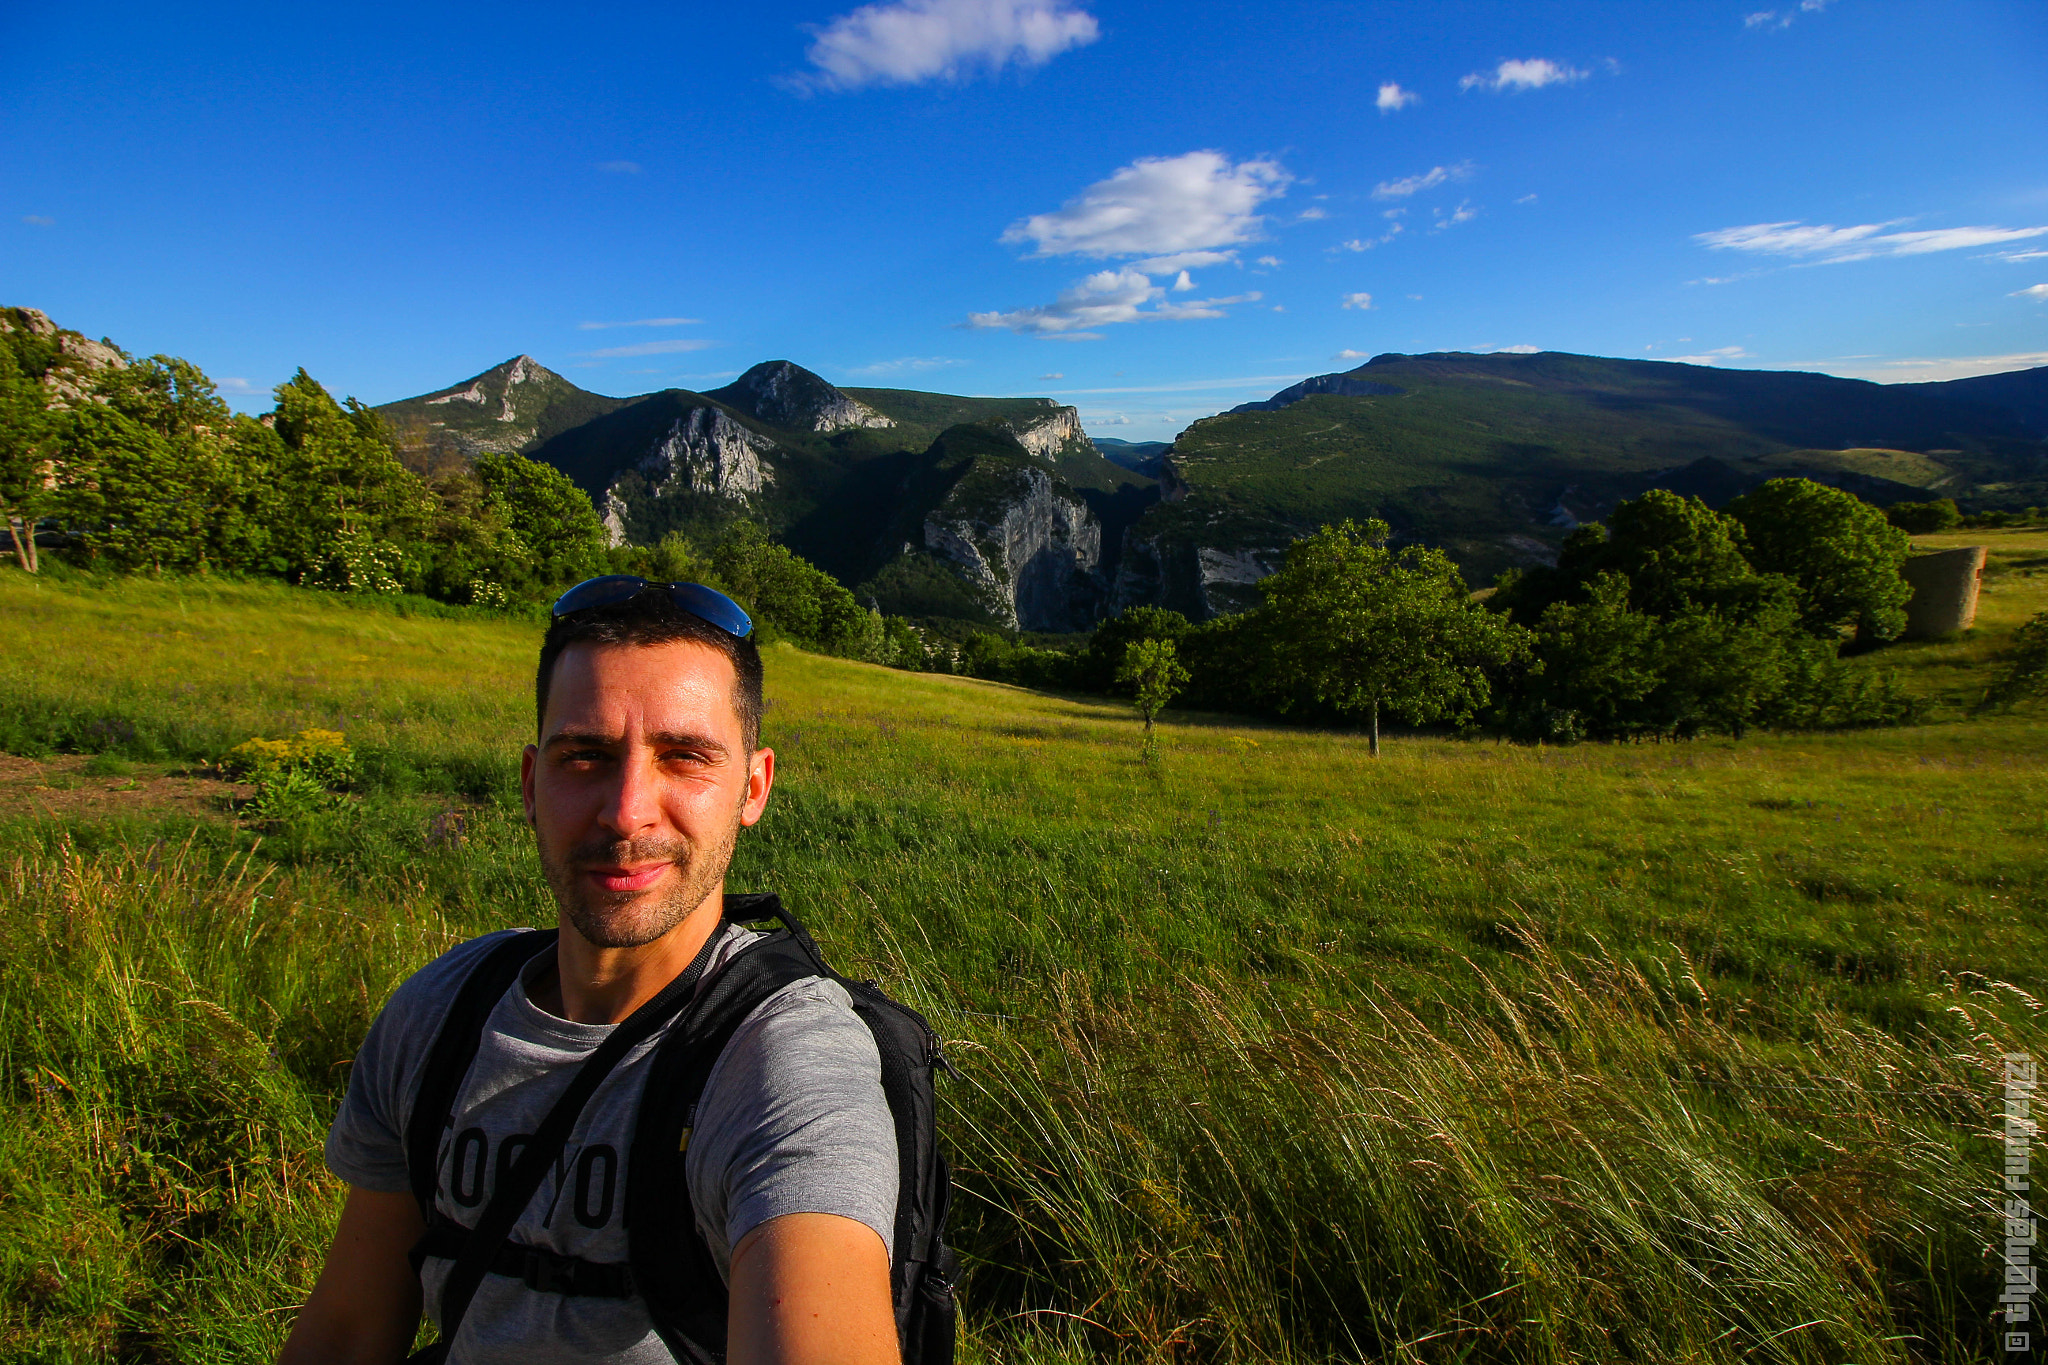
(61, 787)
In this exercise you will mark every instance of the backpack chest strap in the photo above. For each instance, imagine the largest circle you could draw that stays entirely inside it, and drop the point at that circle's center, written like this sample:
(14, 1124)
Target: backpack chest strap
(540, 1269)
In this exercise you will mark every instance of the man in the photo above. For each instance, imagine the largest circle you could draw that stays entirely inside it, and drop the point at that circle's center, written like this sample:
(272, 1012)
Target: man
(644, 770)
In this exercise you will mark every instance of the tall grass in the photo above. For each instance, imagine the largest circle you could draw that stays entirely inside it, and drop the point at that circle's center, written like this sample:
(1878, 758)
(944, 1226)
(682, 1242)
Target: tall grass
(1271, 1052)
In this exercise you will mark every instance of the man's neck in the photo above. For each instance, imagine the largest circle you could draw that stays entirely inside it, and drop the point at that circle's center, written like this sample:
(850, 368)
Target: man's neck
(593, 985)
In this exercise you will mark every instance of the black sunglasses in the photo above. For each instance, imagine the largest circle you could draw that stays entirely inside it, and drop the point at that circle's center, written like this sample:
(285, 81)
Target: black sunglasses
(706, 604)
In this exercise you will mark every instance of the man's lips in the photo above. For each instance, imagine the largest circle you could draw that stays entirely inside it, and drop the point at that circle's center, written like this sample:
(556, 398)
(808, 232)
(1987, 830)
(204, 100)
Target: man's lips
(626, 878)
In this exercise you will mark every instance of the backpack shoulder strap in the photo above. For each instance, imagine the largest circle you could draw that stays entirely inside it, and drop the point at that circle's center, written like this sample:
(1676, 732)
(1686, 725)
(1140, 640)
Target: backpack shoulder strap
(454, 1048)
(672, 1268)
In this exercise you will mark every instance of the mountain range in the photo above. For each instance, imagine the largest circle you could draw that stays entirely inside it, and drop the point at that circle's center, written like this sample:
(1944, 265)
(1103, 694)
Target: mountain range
(1002, 511)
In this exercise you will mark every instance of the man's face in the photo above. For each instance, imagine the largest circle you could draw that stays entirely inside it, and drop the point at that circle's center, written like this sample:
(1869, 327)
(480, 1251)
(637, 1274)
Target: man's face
(639, 786)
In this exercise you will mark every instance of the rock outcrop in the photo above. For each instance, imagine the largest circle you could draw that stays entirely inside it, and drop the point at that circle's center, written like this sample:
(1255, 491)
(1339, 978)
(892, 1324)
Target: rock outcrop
(1045, 437)
(790, 396)
(705, 451)
(1034, 555)
(1343, 385)
(78, 361)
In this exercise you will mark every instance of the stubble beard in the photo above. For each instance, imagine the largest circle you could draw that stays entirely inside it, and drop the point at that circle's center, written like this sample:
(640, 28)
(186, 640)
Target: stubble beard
(631, 919)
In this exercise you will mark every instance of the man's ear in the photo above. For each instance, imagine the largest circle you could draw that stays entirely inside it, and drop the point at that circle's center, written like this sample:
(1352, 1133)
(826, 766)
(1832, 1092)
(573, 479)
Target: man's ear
(760, 777)
(529, 760)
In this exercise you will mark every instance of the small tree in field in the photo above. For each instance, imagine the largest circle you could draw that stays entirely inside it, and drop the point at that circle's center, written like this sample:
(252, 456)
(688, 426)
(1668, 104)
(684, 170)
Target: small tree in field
(1363, 628)
(1152, 670)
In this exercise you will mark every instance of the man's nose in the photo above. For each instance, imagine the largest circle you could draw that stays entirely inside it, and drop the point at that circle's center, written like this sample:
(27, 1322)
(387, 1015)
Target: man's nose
(631, 804)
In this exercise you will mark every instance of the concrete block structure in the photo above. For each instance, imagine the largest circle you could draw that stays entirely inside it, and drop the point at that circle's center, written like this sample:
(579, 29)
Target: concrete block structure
(1944, 591)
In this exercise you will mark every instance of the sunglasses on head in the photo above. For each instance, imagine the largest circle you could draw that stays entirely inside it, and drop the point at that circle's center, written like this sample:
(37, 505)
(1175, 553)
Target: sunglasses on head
(706, 604)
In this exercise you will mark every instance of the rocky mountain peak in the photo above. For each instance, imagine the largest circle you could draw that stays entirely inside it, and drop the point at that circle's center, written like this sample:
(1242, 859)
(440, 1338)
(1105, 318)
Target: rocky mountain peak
(789, 396)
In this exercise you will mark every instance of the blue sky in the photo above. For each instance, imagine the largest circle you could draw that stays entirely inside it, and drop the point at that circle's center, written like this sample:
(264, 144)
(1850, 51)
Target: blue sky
(1152, 211)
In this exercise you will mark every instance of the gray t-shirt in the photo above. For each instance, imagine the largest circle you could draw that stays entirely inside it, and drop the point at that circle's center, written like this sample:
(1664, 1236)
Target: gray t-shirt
(792, 1120)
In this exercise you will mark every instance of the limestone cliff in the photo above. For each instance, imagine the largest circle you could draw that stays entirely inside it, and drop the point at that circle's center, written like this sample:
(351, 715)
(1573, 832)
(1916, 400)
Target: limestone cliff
(1028, 544)
(788, 396)
(509, 408)
(1047, 436)
(703, 451)
(78, 359)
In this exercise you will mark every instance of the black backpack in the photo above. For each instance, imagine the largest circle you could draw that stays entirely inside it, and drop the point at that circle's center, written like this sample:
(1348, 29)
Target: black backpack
(669, 1265)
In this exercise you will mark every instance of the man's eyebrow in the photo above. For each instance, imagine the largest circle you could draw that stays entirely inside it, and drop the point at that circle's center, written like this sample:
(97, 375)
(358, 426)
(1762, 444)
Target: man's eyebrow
(660, 739)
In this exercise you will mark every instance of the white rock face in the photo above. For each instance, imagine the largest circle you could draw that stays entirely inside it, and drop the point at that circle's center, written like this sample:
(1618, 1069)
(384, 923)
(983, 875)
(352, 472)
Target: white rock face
(1043, 436)
(784, 396)
(524, 367)
(1036, 563)
(713, 453)
(614, 518)
(473, 394)
(1220, 571)
(79, 358)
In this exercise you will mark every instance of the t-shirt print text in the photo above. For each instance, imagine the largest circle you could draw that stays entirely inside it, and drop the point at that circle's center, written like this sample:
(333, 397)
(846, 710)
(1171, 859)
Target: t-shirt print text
(471, 1167)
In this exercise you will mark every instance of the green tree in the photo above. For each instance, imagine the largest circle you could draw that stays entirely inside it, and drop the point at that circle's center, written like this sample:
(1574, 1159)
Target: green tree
(1924, 518)
(1840, 551)
(1363, 628)
(2023, 671)
(1098, 664)
(550, 515)
(340, 492)
(1153, 671)
(24, 429)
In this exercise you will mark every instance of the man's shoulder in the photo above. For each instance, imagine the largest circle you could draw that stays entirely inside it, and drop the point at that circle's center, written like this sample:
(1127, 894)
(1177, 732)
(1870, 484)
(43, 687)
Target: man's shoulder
(428, 992)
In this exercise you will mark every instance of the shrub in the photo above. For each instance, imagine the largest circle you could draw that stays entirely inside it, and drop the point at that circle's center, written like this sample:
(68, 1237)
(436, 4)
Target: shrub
(321, 757)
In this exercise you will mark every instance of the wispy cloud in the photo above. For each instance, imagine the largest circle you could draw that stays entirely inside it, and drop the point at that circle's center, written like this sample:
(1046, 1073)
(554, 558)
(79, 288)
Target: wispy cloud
(650, 348)
(619, 167)
(1720, 355)
(1361, 302)
(1825, 243)
(1393, 98)
(38, 220)
(1054, 375)
(1254, 381)
(1348, 354)
(1270, 262)
(1529, 73)
(239, 388)
(1464, 213)
(1428, 180)
(1199, 201)
(1526, 199)
(2019, 255)
(910, 364)
(2036, 292)
(1104, 299)
(1925, 369)
(1311, 215)
(639, 322)
(1774, 20)
(914, 41)
(1523, 349)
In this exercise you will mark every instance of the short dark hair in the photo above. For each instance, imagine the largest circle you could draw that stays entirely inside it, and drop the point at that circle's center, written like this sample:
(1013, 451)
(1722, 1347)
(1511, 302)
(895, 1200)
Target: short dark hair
(652, 618)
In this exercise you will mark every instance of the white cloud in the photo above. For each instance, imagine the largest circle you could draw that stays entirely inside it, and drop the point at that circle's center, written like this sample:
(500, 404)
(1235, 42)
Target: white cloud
(1428, 180)
(1358, 301)
(1524, 349)
(1720, 355)
(1772, 21)
(909, 364)
(1393, 98)
(1181, 283)
(1532, 73)
(639, 322)
(1103, 299)
(1526, 199)
(1928, 369)
(2019, 255)
(1183, 260)
(1349, 354)
(650, 348)
(37, 220)
(619, 167)
(238, 388)
(1054, 375)
(1464, 213)
(1824, 242)
(1311, 214)
(1270, 262)
(1105, 419)
(912, 41)
(1279, 307)
(1198, 201)
(2038, 292)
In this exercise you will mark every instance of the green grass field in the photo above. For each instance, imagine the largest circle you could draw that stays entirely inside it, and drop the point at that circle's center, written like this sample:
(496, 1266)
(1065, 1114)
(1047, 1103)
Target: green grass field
(1270, 1052)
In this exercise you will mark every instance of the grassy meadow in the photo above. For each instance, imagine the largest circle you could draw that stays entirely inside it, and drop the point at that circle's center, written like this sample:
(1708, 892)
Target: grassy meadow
(1269, 1052)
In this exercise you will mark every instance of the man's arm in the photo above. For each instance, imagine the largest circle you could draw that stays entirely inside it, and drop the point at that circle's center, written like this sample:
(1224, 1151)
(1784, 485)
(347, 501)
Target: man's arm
(365, 1308)
(811, 1289)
